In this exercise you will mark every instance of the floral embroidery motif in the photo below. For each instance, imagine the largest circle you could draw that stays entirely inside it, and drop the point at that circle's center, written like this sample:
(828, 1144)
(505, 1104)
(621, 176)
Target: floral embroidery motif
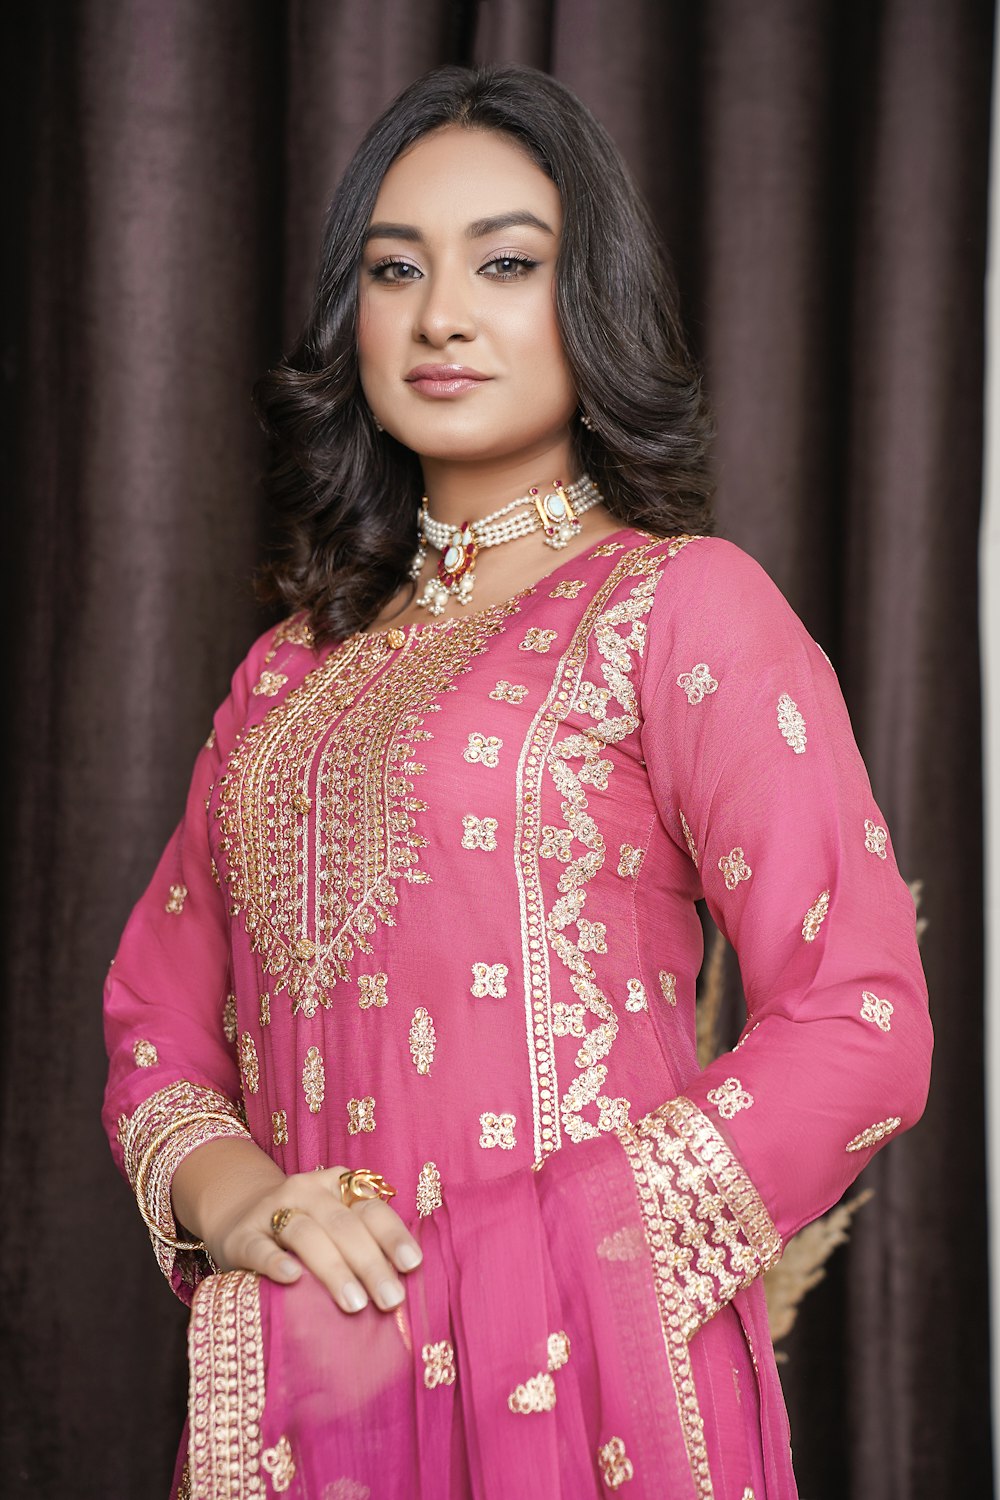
(729, 1098)
(176, 900)
(636, 996)
(698, 683)
(815, 916)
(314, 1080)
(296, 631)
(612, 1113)
(593, 936)
(423, 1040)
(278, 1462)
(688, 838)
(537, 640)
(145, 1054)
(629, 860)
(489, 979)
(497, 1130)
(607, 549)
(592, 700)
(614, 1464)
(229, 1019)
(558, 1348)
(875, 839)
(360, 1115)
(249, 1064)
(439, 1364)
(568, 589)
(595, 772)
(668, 986)
(509, 692)
(484, 749)
(734, 868)
(873, 1134)
(537, 1394)
(568, 1019)
(371, 990)
(302, 802)
(265, 1009)
(212, 737)
(279, 1127)
(556, 843)
(877, 1011)
(792, 724)
(480, 833)
(269, 684)
(428, 1189)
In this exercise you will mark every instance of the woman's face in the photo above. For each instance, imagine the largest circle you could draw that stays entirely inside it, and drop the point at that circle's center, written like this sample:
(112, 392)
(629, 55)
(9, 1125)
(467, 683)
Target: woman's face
(459, 270)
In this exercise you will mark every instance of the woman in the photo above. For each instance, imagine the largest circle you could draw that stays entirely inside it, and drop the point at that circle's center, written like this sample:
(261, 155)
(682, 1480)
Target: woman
(402, 1034)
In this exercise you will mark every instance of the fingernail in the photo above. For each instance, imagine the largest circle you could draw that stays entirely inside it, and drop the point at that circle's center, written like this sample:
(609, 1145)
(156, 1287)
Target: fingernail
(354, 1296)
(408, 1256)
(389, 1293)
(289, 1267)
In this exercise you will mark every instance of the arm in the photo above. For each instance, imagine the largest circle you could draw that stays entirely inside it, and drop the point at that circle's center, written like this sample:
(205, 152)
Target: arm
(758, 779)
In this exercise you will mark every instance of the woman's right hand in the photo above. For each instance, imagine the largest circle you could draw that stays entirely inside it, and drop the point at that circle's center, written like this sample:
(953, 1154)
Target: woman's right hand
(227, 1192)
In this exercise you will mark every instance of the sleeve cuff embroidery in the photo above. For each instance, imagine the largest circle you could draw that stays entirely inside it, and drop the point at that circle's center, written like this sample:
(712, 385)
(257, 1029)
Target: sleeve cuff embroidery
(706, 1226)
(160, 1134)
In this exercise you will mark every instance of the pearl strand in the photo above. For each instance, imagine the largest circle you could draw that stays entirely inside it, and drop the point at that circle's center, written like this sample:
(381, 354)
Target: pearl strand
(582, 494)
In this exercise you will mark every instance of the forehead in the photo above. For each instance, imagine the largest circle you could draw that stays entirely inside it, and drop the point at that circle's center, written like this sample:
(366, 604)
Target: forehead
(455, 175)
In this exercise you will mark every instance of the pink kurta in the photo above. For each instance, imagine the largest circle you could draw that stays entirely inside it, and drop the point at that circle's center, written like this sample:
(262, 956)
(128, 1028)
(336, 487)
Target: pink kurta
(431, 910)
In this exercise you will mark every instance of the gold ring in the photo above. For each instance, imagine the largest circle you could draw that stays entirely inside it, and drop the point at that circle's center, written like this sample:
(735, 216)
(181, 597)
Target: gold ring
(358, 1186)
(279, 1220)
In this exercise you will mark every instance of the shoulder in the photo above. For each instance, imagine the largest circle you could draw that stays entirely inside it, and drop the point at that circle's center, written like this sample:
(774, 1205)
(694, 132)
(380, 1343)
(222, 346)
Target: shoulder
(277, 660)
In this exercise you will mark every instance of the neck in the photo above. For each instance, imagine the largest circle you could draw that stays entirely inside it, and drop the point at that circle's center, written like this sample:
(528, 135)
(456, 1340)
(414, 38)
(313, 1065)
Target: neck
(460, 492)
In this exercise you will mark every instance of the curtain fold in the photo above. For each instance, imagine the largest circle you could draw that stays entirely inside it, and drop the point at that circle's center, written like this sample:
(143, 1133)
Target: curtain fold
(820, 174)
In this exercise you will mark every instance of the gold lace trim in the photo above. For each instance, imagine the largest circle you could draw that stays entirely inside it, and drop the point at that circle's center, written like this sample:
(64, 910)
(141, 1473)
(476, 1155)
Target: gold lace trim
(226, 1390)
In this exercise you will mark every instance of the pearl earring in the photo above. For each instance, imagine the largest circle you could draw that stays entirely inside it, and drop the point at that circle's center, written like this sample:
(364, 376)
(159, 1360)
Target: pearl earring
(586, 422)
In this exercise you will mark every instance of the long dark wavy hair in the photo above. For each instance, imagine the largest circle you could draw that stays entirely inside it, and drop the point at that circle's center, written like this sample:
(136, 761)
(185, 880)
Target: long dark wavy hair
(348, 493)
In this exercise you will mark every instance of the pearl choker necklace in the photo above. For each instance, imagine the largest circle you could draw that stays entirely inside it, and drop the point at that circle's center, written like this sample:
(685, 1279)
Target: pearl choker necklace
(556, 514)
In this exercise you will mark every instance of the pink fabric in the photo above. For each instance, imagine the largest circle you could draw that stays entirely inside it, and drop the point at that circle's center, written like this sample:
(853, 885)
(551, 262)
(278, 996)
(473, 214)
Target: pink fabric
(506, 824)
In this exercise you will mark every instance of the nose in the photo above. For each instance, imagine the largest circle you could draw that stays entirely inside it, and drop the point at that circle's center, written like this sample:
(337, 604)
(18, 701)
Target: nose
(446, 308)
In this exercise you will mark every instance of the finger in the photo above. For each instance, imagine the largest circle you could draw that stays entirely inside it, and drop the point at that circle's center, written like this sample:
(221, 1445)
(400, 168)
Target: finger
(389, 1232)
(264, 1255)
(312, 1245)
(361, 1252)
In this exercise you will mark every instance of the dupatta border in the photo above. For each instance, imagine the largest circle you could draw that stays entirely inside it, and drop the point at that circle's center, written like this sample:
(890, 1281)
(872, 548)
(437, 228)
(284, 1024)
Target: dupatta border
(227, 1388)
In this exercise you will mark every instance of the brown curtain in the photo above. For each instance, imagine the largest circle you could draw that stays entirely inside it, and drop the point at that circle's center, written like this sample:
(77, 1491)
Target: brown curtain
(819, 168)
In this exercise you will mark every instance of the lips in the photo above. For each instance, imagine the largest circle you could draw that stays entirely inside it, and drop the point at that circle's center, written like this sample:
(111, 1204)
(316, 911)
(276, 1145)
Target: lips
(444, 381)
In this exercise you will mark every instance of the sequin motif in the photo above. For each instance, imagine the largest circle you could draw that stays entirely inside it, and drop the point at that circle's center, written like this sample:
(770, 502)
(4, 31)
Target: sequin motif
(428, 1189)
(636, 996)
(489, 980)
(479, 833)
(729, 1098)
(423, 1040)
(176, 899)
(698, 684)
(497, 1130)
(483, 749)
(248, 1063)
(873, 1134)
(537, 639)
(145, 1054)
(314, 1080)
(372, 991)
(439, 1364)
(668, 986)
(614, 1463)
(876, 838)
(278, 1462)
(792, 724)
(878, 1012)
(815, 916)
(734, 868)
(360, 1115)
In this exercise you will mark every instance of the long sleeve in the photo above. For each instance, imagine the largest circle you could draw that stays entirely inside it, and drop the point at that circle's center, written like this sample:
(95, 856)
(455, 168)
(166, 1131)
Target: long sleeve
(169, 1014)
(757, 777)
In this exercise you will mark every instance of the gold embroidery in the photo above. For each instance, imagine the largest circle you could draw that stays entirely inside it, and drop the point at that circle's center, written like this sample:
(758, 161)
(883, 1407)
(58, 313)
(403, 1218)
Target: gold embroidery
(636, 996)
(269, 684)
(592, 700)
(748, 1492)
(439, 1364)
(688, 838)
(229, 1022)
(624, 1244)
(537, 640)
(213, 867)
(612, 1113)
(484, 749)
(607, 549)
(497, 1130)
(360, 1115)
(371, 989)
(249, 1063)
(792, 724)
(279, 1463)
(615, 1465)
(145, 1054)
(537, 1394)
(395, 638)
(568, 589)
(556, 843)
(729, 1098)
(668, 987)
(734, 868)
(265, 1009)
(212, 737)
(629, 860)
(428, 1189)
(423, 1040)
(279, 1127)
(568, 1019)
(176, 900)
(227, 1390)
(875, 839)
(815, 916)
(489, 979)
(480, 833)
(558, 1347)
(698, 683)
(295, 631)
(509, 692)
(302, 802)
(877, 1011)
(314, 1080)
(593, 936)
(311, 891)
(873, 1134)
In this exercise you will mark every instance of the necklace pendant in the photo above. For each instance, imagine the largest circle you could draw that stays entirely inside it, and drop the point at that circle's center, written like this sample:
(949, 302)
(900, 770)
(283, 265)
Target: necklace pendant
(434, 597)
(459, 557)
(559, 521)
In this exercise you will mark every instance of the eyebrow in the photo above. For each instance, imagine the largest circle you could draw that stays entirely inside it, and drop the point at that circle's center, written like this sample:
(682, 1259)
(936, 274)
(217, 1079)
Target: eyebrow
(474, 231)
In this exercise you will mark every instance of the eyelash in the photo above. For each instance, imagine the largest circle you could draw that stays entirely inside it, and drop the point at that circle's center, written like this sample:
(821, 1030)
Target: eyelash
(523, 262)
